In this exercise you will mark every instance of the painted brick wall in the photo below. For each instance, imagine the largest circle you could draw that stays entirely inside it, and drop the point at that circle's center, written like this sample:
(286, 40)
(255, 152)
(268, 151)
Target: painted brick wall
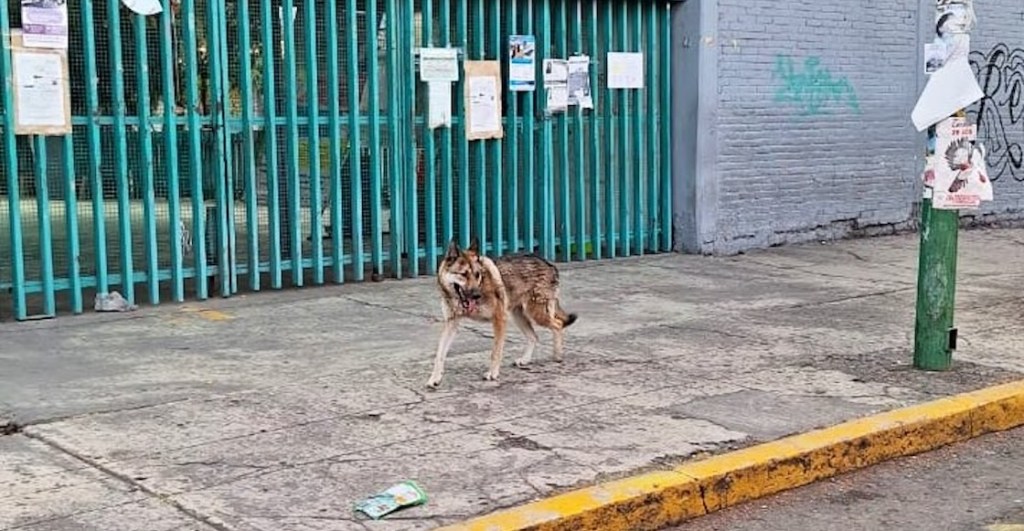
(813, 117)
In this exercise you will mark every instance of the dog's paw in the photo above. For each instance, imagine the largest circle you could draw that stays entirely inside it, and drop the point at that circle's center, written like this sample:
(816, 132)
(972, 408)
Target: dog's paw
(433, 383)
(491, 376)
(523, 363)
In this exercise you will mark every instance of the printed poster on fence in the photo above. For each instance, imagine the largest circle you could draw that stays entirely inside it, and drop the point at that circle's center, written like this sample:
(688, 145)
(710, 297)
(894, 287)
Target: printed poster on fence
(522, 66)
(556, 85)
(625, 70)
(439, 65)
(957, 173)
(579, 82)
(483, 100)
(44, 23)
(42, 92)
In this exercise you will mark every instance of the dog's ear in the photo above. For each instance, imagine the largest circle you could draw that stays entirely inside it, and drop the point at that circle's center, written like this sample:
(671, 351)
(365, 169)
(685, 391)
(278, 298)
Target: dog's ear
(453, 251)
(474, 245)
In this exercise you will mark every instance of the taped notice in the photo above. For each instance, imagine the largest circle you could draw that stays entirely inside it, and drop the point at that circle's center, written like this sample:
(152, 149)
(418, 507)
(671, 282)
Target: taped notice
(579, 82)
(483, 100)
(439, 101)
(957, 173)
(439, 64)
(556, 85)
(44, 23)
(625, 70)
(522, 67)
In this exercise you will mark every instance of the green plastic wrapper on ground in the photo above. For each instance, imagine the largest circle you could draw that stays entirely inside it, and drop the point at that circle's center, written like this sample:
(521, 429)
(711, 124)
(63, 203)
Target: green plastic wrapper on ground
(400, 496)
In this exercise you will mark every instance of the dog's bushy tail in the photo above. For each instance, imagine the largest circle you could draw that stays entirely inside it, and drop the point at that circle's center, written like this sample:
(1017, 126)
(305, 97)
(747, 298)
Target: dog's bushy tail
(567, 319)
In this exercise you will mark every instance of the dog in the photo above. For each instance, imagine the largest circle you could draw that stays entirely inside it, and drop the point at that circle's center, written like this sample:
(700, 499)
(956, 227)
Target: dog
(475, 287)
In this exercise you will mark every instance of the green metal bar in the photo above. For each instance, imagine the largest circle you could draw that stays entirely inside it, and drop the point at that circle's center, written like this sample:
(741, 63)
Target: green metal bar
(45, 229)
(512, 190)
(639, 164)
(652, 89)
(595, 236)
(408, 84)
(376, 178)
(334, 140)
(479, 151)
(609, 132)
(579, 197)
(395, 172)
(146, 161)
(95, 148)
(71, 224)
(229, 250)
(623, 153)
(313, 141)
(429, 156)
(267, 23)
(11, 151)
(462, 39)
(447, 195)
(294, 219)
(124, 219)
(252, 220)
(170, 132)
(497, 182)
(190, 38)
(355, 144)
(529, 149)
(563, 147)
(666, 128)
(220, 162)
(547, 221)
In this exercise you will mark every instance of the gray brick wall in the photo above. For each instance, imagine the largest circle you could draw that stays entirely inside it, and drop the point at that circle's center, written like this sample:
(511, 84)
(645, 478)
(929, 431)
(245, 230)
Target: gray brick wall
(814, 139)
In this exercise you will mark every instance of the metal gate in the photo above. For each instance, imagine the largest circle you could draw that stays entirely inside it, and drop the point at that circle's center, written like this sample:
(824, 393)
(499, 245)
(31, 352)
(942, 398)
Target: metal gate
(250, 144)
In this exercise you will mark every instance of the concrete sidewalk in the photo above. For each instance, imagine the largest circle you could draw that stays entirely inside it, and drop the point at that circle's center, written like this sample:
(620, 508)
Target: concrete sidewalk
(280, 411)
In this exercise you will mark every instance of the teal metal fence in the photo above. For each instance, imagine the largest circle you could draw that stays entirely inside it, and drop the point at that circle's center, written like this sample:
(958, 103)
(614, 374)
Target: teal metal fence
(252, 144)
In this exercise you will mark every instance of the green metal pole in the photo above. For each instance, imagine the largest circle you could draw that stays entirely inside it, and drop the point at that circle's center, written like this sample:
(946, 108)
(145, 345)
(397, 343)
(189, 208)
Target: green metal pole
(934, 336)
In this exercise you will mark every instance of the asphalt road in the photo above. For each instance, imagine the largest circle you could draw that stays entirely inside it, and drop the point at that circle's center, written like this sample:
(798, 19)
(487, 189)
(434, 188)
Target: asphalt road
(975, 486)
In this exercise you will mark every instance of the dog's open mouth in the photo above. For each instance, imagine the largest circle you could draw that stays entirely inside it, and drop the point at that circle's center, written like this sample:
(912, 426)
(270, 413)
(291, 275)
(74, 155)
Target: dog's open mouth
(467, 303)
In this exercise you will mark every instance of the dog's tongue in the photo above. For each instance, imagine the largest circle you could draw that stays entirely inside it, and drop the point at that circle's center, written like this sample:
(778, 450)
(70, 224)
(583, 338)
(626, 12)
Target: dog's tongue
(470, 306)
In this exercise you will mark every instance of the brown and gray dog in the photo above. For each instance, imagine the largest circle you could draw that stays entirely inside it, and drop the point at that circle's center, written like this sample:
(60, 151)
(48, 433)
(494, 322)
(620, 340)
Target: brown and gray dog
(476, 287)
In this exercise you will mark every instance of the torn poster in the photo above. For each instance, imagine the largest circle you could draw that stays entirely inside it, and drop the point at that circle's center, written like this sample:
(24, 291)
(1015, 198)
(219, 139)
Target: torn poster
(144, 7)
(625, 70)
(934, 56)
(522, 67)
(439, 101)
(439, 64)
(957, 173)
(579, 82)
(556, 85)
(949, 89)
(44, 23)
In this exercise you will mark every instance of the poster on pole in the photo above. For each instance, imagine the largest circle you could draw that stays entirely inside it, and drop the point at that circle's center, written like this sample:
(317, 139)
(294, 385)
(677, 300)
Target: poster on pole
(44, 23)
(625, 70)
(957, 173)
(42, 92)
(522, 66)
(556, 85)
(483, 100)
(144, 7)
(579, 82)
(439, 65)
(439, 103)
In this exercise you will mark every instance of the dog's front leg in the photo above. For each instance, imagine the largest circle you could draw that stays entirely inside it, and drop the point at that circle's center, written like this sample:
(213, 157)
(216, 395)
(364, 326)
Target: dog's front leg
(444, 343)
(499, 347)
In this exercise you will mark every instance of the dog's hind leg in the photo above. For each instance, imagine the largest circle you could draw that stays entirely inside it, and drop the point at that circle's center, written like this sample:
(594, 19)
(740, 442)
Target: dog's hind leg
(499, 347)
(451, 328)
(526, 327)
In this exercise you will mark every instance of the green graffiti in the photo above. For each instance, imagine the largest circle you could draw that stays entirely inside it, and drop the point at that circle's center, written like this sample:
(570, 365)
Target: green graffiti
(813, 89)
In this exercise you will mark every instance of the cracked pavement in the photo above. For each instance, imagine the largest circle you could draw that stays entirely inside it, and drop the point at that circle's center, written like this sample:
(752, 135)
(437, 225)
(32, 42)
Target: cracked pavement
(301, 403)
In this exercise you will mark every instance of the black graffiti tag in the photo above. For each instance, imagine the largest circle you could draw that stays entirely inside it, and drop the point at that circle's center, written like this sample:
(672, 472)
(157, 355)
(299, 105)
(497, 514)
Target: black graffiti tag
(1000, 113)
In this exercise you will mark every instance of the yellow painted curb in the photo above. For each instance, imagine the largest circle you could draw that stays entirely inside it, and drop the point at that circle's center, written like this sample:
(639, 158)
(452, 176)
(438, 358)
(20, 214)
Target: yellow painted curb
(660, 499)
